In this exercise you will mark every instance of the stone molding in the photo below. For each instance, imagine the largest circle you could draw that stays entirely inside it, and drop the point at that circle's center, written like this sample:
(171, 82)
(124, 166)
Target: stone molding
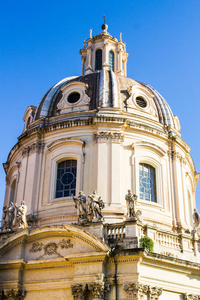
(105, 136)
(136, 291)
(35, 147)
(191, 297)
(10, 294)
(175, 154)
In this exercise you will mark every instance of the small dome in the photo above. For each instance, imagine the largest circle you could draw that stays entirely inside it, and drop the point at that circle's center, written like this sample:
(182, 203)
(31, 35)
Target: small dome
(107, 89)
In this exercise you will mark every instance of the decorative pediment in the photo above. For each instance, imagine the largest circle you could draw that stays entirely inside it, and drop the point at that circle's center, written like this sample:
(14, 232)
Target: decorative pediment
(52, 242)
(74, 97)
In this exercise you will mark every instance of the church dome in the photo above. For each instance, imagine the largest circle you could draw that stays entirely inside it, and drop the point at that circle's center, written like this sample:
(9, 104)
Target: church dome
(106, 89)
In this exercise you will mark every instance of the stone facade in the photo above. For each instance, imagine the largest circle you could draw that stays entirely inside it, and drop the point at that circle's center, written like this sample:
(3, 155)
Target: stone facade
(90, 140)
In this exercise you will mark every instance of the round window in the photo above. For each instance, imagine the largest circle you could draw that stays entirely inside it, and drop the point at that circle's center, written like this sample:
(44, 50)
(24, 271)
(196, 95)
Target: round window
(73, 97)
(141, 102)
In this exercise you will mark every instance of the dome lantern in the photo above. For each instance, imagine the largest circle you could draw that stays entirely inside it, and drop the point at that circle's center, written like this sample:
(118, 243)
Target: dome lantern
(104, 52)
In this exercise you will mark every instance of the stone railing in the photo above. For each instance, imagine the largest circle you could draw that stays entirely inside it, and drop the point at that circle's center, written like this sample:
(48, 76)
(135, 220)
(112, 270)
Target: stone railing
(116, 231)
(168, 240)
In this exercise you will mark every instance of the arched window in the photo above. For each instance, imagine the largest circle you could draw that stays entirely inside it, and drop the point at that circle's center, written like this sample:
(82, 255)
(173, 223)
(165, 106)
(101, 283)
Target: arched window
(98, 60)
(147, 179)
(12, 191)
(66, 178)
(111, 58)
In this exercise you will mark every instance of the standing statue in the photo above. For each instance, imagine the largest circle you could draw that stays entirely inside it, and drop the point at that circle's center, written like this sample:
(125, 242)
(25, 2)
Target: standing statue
(80, 204)
(131, 200)
(21, 215)
(95, 206)
(8, 216)
(196, 219)
(4, 218)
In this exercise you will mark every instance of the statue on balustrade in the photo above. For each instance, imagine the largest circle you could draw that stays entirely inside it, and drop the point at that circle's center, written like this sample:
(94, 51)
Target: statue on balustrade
(96, 204)
(80, 204)
(21, 215)
(196, 218)
(131, 200)
(8, 216)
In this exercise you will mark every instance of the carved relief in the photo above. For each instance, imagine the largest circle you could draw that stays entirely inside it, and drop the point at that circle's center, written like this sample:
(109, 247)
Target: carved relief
(136, 291)
(113, 136)
(79, 291)
(154, 293)
(98, 290)
(50, 248)
(16, 294)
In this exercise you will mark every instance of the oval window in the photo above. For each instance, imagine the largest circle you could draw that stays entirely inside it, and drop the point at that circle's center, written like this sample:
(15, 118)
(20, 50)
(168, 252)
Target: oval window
(73, 97)
(141, 102)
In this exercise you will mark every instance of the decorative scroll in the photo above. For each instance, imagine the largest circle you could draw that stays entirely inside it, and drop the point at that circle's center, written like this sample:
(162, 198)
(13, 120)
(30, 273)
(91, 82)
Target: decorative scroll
(51, 248)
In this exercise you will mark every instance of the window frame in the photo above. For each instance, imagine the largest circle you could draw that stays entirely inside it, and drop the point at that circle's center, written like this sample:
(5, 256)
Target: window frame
(59, 179)
(136, 160)
(111, 68)
(154, 183)
(99, 69)
(69, 149)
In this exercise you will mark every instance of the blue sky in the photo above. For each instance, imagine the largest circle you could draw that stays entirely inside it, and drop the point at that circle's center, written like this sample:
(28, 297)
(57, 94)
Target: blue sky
(40, 43)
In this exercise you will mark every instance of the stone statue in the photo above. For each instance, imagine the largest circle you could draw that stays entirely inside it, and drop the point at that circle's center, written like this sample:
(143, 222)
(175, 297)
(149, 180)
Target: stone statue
(8, 216)
(21, 215)
(131, 200)
(196, 219)
(80, 204)
(96, 205)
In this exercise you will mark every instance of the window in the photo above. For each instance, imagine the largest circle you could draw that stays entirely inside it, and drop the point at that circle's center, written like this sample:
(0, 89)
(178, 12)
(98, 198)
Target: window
(12, 191)
(141, 102)
(111, 60)
(73, 97)
(147, 178)
(98, 61)
(66, 178)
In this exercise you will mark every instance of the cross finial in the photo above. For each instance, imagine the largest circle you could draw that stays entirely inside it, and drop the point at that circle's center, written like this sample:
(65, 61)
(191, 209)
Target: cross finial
(104, 19)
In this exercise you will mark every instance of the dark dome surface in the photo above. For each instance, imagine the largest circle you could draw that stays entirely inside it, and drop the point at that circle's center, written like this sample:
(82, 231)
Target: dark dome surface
(114, 85)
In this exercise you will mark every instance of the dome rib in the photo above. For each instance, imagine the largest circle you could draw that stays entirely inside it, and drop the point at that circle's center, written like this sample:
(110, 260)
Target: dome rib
(47, 102)
(164, 111)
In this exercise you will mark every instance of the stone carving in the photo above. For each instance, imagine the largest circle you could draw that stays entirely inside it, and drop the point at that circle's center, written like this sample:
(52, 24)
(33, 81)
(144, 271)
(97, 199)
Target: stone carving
(12, 294)
(103, 135)
(98, 290)
(131, 200)
(95, 206)
(191, 297)
(21, 215)
(79, 291)
(35, 147)
(8, 216)
(196, 219)
(89, 211)
(80, 204)
(50, 248)
(154, 292)
(139, 216)
(137, 291)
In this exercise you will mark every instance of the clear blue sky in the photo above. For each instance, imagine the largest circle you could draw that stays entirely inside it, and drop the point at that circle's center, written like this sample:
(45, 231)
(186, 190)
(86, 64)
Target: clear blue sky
(40, 43)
